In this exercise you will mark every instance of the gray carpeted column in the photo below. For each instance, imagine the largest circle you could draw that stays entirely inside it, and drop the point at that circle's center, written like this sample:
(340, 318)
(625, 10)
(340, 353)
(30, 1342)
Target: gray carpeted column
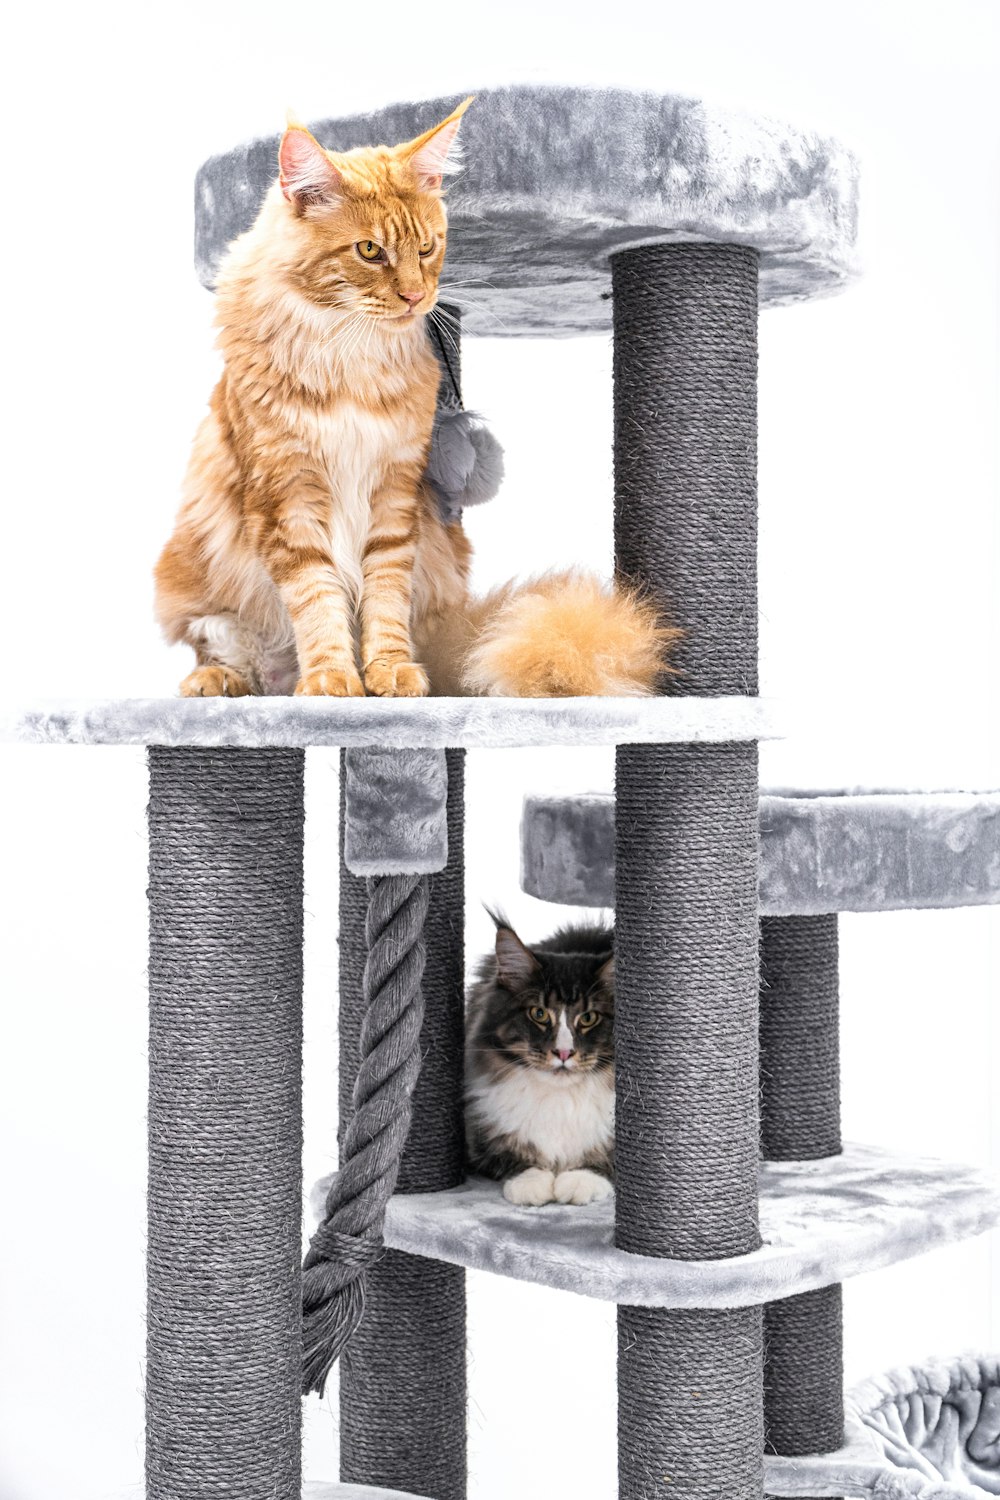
(800, 1113)
(403, 1375)
(689, 1383)
(225, 1125)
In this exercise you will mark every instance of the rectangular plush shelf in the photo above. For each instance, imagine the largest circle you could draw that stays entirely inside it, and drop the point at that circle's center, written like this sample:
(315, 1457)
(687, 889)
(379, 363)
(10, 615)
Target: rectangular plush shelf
(394, 723)
(821, 1221)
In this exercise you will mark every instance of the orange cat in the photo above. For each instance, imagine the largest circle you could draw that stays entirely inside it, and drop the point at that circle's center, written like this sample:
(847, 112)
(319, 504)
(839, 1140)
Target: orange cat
(307, 543)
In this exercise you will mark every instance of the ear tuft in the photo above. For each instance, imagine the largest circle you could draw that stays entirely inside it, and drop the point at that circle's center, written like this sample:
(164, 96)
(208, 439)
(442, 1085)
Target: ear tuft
(308, 175)
(516, 966)
(436, 152)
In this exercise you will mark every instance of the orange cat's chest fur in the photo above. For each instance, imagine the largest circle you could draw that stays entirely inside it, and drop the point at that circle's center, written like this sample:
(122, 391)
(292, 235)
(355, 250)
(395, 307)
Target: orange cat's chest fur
(354, 442)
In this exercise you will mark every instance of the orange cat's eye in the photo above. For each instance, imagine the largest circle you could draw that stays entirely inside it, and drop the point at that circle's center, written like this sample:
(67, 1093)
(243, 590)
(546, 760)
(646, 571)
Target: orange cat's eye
(539, 1015)
(427, 248)
(588, 1020)
(368, 250)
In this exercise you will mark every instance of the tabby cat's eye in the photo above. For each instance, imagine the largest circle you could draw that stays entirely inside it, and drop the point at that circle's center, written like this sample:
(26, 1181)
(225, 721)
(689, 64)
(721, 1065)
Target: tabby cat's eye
(368, 250)
(539, 1015)
(589, 1020)
(427, 248)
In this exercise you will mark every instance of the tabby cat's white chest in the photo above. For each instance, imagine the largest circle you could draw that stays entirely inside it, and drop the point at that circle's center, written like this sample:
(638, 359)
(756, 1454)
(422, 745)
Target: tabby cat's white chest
(562, 1120)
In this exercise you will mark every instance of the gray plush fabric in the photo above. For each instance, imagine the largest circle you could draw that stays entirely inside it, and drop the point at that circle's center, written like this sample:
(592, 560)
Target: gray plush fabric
(880, 852)
(395, 812)
(465, 466)
(932, 1432)
(875, 851)
(393, 723)
(821, 1222)
(556, 179)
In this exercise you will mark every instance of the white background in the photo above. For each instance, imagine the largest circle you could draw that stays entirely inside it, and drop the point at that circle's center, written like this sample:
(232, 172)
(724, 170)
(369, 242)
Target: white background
(879, 573)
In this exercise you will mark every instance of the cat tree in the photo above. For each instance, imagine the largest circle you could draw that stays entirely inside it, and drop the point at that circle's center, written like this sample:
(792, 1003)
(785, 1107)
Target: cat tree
(668, 223)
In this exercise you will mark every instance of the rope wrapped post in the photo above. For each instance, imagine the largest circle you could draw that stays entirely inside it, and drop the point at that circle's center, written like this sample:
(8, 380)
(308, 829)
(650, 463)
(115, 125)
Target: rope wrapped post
(800, 1117)
(398, 1429)
(223, 1352)
(686, 947)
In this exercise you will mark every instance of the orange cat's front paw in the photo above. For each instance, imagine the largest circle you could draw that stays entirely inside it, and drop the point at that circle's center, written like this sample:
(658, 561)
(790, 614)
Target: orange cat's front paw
(400, 679)
(330, 682)
(215, 682)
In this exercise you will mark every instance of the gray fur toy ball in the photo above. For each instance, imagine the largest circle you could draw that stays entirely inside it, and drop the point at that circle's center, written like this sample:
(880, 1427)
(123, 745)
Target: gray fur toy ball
(466, 462)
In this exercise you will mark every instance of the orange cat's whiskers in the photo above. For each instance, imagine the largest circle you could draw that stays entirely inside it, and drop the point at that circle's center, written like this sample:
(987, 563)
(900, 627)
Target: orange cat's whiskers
(347, 346)
(443, 329)
(447, 286)
(474, 306)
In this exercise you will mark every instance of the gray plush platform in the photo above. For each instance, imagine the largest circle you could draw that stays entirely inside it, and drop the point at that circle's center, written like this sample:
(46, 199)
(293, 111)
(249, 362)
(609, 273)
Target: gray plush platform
(555, 179)
(932, 1432)
(399, 723)
(878, 851)
(822, 1222)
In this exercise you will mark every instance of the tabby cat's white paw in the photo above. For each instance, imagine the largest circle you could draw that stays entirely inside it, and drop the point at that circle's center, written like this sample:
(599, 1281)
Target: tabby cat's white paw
(581, 1186)
(530, 1189)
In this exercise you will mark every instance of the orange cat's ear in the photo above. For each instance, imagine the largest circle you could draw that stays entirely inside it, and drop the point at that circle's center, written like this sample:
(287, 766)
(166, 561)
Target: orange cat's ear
(433, 153)
(307, 173)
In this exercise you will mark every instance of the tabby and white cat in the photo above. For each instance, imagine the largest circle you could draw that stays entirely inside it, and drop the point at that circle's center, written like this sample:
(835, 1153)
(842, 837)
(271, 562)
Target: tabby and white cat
(539, 1066)
(309, 553)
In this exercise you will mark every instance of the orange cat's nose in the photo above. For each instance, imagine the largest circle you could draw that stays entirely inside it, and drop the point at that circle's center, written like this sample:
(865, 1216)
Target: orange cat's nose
(412, 297)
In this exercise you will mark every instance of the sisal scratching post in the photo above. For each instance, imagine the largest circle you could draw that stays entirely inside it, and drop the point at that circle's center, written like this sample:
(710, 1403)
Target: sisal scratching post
(686, 849)
(399, 1428)
(799, 1038)
(800, 1109)
(225, 1125)
(403, 1375)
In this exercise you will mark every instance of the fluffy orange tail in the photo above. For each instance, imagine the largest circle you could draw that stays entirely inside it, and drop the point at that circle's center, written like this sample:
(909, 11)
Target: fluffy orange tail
(564, 635)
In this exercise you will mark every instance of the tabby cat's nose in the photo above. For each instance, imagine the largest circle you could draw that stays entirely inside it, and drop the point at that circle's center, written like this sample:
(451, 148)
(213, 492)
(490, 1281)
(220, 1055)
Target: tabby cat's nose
(412, 297)
(565, 1053)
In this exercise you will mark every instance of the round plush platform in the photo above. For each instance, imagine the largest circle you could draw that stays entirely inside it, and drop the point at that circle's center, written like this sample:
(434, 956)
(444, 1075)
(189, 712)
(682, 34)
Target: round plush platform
(392, 723)
(819, 852)
(556, 179)
(932, 1433)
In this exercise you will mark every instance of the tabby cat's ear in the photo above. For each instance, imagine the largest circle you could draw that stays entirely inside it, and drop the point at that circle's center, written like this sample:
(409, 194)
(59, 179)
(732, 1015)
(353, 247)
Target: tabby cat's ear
(307, 173)
(432, 154)
(516, 966)
(606, 973)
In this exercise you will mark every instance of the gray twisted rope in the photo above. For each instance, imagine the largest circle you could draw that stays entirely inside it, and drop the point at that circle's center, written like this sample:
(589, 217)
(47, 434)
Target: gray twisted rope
(349, 1241)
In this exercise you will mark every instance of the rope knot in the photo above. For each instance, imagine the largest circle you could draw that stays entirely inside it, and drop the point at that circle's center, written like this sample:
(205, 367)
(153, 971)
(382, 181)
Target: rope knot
(342, 1257)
